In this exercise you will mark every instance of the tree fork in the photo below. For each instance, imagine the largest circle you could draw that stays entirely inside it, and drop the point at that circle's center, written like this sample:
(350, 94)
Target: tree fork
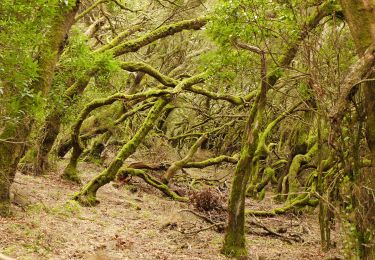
(176, 166)
(49, 129)
(70, 171)
(152, 181)
(87, 196)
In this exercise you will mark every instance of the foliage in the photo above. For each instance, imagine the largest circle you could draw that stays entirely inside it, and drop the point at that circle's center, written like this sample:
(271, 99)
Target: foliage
(259, 78)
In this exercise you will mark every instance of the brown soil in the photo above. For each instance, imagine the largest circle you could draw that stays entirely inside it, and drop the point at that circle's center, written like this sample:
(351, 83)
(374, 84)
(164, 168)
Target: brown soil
(134, 222)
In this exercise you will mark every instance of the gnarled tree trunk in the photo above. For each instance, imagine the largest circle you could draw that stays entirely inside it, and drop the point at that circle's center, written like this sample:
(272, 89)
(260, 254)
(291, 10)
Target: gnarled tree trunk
(360, 15)
(14, 135)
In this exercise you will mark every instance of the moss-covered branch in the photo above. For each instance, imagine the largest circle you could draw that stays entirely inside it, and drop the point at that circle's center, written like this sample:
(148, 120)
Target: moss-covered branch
(327, 8)
(230, 98)
(162, 32)
(97, 103)
(299, 202)
(176, 166)
(151, 181)
(168, 81)
(133, 46)
(87, 196)
(263, 150)
(212, 161)
(66, 145)
(259, 188)
(357, 72)
(234, 240)
(294, 169)
(267, 131)
(89, 9)
(70, 171)
(92, 7)
(141, 66)
(120, 37)
(133, 111)
(216, 129)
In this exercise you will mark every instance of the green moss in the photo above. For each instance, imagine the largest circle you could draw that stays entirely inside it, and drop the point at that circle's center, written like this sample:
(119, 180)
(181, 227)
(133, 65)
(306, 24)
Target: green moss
(176, 166)
(233, 247)
(86, 199)
(298, 203)
(234, 251)
(5, 208)
(71, 173)
(163, 31)
(294, 169)
(69, 209)
(153, 182)
(87, 196)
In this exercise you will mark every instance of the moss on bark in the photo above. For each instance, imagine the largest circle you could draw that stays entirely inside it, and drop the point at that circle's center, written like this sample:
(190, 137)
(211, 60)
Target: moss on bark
(45, 142)
(87, 196)
(176, 166)
(162, 32)
(79, 85)
(70, 172)
(13, 136)
(294, 169)
(153, 182)
(234, 237)
(297, 203)
(234, 240)
(212, 161)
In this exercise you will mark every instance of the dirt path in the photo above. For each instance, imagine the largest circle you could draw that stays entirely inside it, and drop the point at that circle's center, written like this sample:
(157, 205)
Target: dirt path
(131, 222)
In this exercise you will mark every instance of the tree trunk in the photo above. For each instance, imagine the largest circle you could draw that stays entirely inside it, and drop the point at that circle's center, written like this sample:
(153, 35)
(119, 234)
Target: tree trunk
(87, 196)
(360, 16)
(10, 154)
(50, 126)
(14, 136)
(45, 142)
(234, 241)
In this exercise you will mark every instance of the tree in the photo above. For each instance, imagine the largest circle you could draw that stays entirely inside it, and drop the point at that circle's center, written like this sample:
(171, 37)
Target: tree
(361, 20)
(234, 243)
(281, 89)
(22, 91)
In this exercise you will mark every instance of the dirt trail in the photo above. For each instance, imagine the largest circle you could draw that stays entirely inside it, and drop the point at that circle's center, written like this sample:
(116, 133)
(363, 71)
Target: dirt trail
(131, 222)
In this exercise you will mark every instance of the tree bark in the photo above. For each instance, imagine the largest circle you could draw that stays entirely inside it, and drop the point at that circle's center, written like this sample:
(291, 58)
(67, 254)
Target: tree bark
(87, 196)
(360, 16)
(52, 123)
(14, 135)
(234, 241)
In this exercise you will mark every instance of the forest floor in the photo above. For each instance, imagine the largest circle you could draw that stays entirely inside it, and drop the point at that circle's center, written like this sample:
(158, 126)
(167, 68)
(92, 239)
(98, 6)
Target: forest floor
(135, 221)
